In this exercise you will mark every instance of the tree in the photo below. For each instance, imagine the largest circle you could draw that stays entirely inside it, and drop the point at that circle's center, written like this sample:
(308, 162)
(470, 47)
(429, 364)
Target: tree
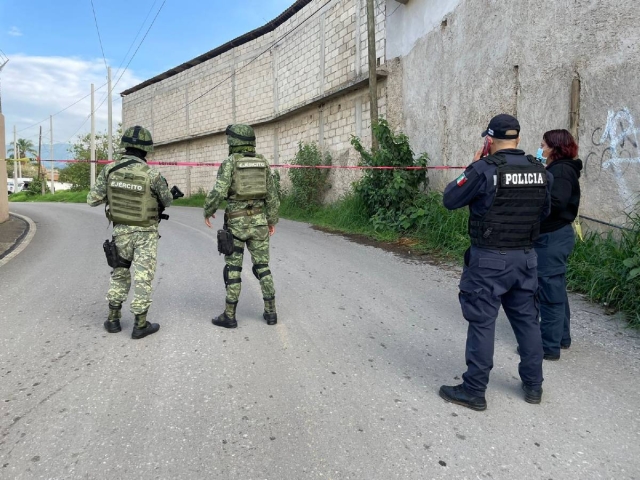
(78, 174)
(25, 147)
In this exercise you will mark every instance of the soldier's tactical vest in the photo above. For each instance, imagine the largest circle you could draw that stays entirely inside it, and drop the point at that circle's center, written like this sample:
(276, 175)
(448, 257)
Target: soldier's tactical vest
(249, 181)
(129, 195)
(513, 221)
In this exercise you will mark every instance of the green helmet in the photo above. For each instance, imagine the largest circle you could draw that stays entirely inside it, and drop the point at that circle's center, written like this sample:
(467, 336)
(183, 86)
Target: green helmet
(240, 135)
(137, 137)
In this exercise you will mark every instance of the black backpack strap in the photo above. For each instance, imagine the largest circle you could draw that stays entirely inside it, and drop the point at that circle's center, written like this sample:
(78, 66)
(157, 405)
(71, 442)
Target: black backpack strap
(121, 165)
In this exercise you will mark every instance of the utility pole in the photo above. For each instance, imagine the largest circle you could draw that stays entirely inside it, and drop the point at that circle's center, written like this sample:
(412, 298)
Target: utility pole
(110, 115)
(93, 139)
(373, 78)
(40, 162)
(53, 190)
(15, 163)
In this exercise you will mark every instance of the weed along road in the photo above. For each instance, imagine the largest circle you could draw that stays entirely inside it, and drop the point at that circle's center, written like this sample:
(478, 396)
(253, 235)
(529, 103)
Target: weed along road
(345, 386)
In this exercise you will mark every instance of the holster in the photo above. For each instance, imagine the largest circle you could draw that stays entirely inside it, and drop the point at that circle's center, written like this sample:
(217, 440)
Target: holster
(225, 240)
(114, 260)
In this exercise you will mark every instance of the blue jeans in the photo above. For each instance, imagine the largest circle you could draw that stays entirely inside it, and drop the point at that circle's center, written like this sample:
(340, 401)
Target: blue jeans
(553, 251)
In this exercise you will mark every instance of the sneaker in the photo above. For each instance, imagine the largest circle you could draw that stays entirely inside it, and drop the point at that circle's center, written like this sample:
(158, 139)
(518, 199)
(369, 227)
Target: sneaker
(148, 329)
(532, 394)
(458, 395)
(223, 321)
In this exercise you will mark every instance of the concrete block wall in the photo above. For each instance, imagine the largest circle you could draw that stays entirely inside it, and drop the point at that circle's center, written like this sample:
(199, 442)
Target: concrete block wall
(281, 92)
(461, 65)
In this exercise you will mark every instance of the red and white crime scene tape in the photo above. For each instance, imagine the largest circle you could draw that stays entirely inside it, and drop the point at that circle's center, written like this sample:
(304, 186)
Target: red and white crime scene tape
(217, 164)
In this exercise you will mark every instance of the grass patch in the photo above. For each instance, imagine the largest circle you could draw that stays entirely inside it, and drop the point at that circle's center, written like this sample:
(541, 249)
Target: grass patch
(64, 196)
(597, 269)
(196, 200)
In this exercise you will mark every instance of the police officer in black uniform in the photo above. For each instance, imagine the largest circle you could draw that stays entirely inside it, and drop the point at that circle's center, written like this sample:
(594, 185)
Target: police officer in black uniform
(508, 195)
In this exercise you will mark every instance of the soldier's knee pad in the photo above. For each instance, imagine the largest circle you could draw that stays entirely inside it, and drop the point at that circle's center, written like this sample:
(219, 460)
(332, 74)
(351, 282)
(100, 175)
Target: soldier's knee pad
(225, 274)
(260, 266)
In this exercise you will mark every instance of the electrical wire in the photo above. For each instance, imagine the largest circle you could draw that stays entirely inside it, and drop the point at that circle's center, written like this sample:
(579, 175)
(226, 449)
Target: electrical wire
(249, 62)
(99, 37)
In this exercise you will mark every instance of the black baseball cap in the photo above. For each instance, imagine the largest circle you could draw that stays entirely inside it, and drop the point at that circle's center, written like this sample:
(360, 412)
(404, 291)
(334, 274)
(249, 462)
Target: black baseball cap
(500, 125)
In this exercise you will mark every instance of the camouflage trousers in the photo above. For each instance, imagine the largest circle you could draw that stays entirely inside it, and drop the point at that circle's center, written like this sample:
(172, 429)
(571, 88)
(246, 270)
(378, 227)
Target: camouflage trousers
(257, 240)
(141, 248)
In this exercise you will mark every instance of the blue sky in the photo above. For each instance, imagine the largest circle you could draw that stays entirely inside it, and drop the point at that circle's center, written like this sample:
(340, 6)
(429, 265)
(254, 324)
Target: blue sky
(54, 52)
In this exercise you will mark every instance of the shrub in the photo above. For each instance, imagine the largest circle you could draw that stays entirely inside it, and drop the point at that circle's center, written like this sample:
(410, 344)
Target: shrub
(308, 185)
(392, 196)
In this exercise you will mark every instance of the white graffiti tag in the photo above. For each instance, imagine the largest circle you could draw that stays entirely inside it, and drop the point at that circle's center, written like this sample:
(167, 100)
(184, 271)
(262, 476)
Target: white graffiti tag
(622, 136)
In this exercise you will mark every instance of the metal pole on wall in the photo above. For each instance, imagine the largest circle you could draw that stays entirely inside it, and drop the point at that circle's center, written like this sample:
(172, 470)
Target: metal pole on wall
(93, 139)
(574, 108)
(373, 79)
(53, 190)
(110, 116)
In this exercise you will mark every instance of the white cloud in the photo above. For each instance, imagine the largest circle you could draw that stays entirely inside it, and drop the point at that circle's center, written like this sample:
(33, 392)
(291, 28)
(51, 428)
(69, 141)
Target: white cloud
(14, 32)
(35, 87)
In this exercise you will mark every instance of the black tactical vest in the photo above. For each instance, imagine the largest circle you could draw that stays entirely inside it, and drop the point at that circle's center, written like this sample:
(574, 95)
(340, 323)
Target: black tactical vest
(513, 221)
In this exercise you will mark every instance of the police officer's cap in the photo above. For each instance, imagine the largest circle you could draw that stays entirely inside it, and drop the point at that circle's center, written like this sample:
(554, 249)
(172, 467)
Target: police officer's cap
(502, 127)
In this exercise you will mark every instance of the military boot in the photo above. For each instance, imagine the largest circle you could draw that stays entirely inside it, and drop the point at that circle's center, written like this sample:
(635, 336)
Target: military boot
(270, 314)
(112, 324)
(142, 328)
(227, 319)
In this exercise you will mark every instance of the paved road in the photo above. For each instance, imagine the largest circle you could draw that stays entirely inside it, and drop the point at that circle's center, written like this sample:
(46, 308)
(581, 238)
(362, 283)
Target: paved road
(344, 387)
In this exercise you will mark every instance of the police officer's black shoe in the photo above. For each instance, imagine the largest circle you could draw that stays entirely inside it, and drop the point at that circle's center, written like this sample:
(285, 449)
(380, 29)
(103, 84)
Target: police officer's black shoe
(223, 320)
(565, 346)
(112, 324)
(532, 394)
(458, 395)
(551, 357)
(271, 318)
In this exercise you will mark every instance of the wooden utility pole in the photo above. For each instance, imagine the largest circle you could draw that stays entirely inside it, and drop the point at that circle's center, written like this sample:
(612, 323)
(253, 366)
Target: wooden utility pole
(373, 78)
(92, 168)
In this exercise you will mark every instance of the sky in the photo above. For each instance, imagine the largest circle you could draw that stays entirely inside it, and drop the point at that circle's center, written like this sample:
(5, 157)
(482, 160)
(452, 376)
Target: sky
(55, 54)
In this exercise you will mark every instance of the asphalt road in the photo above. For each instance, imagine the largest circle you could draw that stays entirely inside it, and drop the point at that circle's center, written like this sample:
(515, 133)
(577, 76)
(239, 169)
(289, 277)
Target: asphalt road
(344, 387)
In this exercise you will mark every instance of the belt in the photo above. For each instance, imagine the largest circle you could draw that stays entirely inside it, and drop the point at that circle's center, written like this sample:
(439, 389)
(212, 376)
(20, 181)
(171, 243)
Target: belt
(244, 213)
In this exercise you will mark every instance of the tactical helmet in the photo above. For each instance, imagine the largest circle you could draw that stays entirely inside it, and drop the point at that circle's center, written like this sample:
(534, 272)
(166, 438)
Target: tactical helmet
(137, 137)
(240, 135)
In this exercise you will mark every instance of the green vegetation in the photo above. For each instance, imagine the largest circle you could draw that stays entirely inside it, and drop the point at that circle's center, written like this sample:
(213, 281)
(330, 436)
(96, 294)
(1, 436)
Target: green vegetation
(195, 200)
(308, 185)
(391, 197)
(604, 267)
(62, 196)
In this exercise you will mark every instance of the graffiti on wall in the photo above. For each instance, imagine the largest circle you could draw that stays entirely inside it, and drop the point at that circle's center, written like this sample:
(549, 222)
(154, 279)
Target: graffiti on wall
(615, 148)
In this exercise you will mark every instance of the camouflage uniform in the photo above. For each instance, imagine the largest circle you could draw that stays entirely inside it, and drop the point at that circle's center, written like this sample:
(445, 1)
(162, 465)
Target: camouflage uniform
(252, 228)
(138, 244)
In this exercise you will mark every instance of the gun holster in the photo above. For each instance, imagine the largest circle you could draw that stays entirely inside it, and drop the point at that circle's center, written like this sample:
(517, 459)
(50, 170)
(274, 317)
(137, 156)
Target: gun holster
(114, 260)
(225, 240)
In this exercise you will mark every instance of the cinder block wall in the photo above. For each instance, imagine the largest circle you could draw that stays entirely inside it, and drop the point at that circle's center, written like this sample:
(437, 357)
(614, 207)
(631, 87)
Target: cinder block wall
(311, 86)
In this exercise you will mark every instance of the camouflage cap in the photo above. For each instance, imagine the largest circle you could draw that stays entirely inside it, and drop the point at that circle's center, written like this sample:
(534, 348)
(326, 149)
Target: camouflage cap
(137, 137)
(240, 135)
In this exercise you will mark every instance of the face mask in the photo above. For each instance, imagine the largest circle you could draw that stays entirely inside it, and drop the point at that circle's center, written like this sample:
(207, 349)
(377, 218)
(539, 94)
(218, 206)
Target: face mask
(540, 158)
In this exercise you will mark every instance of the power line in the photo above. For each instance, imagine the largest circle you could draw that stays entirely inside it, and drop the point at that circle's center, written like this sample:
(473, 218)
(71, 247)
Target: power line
(250, 61)
(139, 45)
(99, 37)
(59, 112)
(136, 37)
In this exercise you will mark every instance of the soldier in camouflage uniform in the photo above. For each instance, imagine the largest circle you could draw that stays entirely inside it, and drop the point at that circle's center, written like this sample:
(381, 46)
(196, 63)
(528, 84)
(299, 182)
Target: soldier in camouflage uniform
(245, 181)
(134, 194)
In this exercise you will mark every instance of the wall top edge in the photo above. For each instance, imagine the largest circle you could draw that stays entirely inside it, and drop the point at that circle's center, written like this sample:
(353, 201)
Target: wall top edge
(216, 52)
